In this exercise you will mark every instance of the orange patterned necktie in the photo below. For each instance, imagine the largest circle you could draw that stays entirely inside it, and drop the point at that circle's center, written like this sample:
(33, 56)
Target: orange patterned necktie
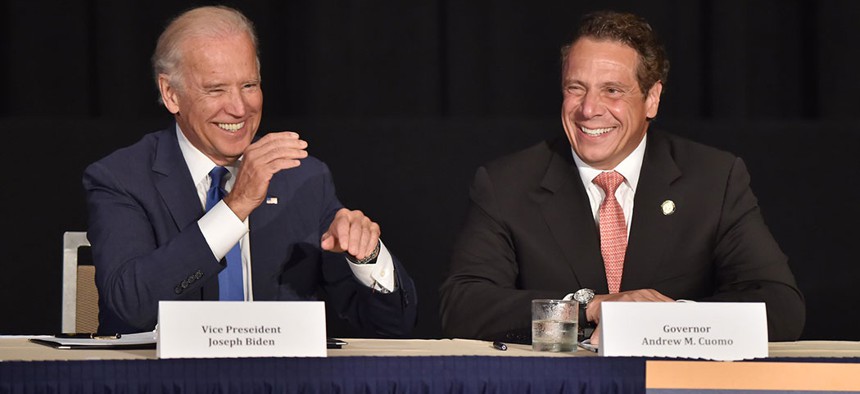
(613, 229)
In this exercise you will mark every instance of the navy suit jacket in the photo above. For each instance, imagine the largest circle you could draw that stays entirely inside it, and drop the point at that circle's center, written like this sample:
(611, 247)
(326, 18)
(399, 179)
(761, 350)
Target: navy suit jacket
(147, 246)
(530, 233)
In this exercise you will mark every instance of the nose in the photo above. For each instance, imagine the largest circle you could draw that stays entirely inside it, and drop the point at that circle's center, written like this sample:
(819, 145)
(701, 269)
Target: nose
(591, 104)
(236, 104)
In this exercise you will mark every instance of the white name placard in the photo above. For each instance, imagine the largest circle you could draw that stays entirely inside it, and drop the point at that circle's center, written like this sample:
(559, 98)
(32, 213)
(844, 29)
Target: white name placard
(218, 329)
(706, 330)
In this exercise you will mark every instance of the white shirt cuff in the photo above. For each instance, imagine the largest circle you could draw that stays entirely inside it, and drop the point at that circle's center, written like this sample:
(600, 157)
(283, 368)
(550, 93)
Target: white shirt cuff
(222, 229)
(378, 276)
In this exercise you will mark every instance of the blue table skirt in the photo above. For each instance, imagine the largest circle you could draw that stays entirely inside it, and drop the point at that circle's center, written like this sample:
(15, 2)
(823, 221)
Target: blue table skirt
(457, 374)
(450, 374)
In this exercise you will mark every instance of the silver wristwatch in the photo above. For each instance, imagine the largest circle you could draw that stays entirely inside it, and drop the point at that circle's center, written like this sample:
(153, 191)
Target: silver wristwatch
(583, 297)
(369, 259)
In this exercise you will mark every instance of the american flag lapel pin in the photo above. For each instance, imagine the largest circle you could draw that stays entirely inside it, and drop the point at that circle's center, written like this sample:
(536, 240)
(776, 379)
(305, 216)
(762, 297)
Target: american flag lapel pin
(272, 200)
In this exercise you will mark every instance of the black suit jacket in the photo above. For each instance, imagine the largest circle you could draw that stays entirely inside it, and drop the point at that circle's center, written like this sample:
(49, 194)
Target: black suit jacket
(530, 233)
(147, 246)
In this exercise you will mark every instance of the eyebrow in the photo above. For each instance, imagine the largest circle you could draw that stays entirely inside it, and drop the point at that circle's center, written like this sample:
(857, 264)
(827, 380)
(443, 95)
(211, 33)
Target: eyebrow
(615, 84)
(217, 85)
(214, 85)
(568, 82)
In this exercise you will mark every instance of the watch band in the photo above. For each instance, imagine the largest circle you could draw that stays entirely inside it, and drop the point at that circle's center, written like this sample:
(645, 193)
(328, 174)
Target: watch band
(369, 259)
(585, 328)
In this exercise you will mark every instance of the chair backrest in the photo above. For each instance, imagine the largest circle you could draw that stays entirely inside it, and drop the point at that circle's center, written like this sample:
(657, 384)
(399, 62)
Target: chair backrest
(80, 297)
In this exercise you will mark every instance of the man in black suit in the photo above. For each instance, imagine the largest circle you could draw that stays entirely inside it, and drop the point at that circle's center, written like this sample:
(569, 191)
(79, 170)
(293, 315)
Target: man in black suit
(162, 229)
(691, 224)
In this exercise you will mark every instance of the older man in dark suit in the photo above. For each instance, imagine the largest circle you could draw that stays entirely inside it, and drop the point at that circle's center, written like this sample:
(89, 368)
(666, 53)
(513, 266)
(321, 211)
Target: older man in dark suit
(615, 211)
(204, 210)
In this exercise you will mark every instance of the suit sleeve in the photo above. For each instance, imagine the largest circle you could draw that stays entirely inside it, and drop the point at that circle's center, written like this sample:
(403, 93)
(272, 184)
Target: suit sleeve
(391, 315)
(134, 270)
(480, 299)
(749, 263)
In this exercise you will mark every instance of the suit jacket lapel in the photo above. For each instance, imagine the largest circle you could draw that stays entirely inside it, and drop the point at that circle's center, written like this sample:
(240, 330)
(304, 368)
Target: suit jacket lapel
(173, 180)
(646, 245)
(567, 212)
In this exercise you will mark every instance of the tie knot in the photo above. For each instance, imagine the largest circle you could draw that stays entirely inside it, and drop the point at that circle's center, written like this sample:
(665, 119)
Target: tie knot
(609, 181)
(217, 175)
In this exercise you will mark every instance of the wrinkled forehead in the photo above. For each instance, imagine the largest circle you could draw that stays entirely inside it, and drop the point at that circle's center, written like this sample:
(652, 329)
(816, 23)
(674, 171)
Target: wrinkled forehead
(209, 54)
(599, 52)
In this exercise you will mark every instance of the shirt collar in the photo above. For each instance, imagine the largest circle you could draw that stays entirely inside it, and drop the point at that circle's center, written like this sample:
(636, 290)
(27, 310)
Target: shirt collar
(629, 167)
(198, 163)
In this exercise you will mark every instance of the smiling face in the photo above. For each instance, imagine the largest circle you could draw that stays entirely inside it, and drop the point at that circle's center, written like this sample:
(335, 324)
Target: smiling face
(219, 103)
(604, 112)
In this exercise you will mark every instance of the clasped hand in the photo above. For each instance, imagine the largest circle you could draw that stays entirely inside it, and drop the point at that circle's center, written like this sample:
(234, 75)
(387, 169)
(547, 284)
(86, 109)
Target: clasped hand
(592, 313)
(351, 232)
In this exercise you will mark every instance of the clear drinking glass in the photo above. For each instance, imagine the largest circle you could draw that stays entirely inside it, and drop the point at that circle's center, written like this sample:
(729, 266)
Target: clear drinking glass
(554, 325)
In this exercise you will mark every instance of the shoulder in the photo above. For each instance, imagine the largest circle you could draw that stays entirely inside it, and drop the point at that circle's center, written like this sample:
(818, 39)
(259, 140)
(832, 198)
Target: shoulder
(689, 154)
(138, 156)
(311, 169)
(531, 162)
(692, 166)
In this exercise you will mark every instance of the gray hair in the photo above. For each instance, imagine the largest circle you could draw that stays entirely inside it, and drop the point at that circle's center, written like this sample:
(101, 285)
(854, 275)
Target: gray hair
(208, 21)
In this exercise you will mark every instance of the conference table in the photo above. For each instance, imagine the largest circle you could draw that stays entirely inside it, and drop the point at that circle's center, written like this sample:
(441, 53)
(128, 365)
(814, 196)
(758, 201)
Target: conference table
(362, 366)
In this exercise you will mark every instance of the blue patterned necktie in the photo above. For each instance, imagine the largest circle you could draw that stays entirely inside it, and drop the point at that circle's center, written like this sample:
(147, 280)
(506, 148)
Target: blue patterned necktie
(230, 286)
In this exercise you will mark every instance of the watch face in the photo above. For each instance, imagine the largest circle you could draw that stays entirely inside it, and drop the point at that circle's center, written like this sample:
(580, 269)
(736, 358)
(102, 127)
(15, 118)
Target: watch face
(583, 296)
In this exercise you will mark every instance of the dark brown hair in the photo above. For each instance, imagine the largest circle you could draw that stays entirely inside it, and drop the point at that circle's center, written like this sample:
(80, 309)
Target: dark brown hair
(633, 31)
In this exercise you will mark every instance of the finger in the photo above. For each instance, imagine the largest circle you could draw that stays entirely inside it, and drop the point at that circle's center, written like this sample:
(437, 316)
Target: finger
(262, 170)
(595, 336)
(372, 238)
(592, 313)
(289, 139)
(331, 239)
(327, 242)
(369, 237)
(661, 297)
(363, 239)
(273, 135)
(357, 227)
(652, 295)
(288, 134)
(341, 230)
(629, 296)
(298, 146)
(292, 149)
(276, 145)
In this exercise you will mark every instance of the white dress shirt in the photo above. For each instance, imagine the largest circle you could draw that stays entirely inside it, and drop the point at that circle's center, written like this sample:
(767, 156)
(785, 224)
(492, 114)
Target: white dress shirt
(629, 168)
(222, 228)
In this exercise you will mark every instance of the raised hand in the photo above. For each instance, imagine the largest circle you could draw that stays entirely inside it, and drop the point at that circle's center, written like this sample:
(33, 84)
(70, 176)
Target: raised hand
(351, 232)
(262, 159)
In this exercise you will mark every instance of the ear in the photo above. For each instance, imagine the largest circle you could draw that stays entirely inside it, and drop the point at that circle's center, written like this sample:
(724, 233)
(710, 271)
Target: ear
(652, 102)
(169, 94)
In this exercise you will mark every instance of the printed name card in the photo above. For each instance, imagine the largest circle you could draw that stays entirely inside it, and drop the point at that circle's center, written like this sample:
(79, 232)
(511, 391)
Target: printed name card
(220, 329)
(706, 330)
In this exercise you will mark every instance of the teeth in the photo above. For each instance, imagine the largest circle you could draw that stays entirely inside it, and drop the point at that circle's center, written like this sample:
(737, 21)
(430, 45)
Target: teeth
(595, 131)
(231, 126)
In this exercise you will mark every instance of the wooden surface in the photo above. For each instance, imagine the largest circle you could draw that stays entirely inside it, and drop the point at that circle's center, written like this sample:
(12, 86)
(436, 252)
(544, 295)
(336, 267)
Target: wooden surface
(20, 348)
